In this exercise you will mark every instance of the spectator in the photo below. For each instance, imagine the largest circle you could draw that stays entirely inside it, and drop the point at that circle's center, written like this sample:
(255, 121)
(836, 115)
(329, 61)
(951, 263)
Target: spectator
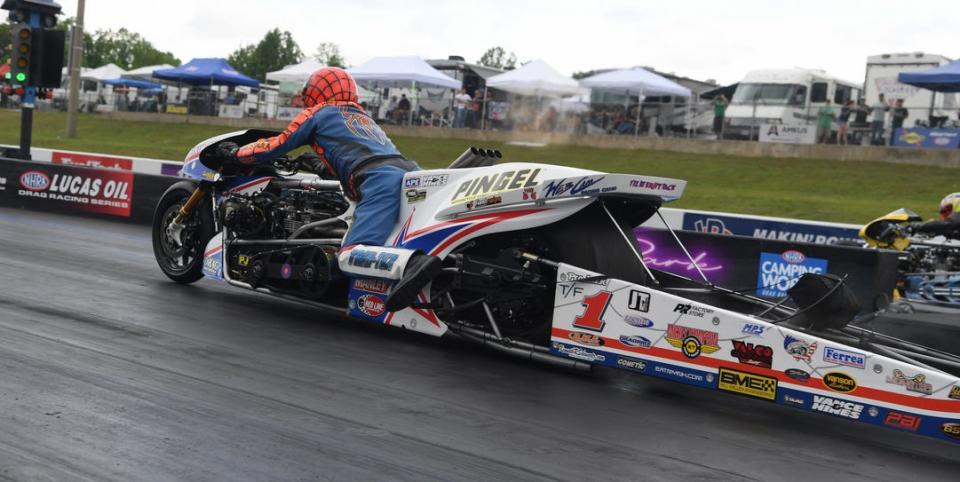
(824, 123)
(402, 112)
(719, 111)
(460, 102)
(879, 111)
(843, 122)
(391, 106)
(899, 114)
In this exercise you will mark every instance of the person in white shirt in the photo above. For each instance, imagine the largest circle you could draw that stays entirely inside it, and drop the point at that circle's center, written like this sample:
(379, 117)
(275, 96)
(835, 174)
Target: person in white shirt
(879, 111)
(460, 101)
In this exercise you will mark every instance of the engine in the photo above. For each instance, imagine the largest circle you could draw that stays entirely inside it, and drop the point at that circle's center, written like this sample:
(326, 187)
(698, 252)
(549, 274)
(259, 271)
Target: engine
(303, 270)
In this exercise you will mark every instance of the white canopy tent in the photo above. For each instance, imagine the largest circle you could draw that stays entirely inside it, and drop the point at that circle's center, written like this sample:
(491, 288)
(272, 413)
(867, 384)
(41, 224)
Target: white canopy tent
(401, 72)
(104, 72)
(296, 72)
(145, 73)
(535, 78)
(636, 81)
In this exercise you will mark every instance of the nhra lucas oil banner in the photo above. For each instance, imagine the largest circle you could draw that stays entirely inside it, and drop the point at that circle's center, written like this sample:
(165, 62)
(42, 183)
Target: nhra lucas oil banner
(59, 187)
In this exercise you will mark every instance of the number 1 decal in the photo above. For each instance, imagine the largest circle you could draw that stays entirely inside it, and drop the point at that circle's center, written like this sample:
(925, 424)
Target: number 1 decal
(595, 307)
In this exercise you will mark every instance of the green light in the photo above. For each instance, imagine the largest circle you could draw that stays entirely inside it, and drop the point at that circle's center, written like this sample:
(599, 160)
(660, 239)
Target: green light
(21, 77)
(8, 76)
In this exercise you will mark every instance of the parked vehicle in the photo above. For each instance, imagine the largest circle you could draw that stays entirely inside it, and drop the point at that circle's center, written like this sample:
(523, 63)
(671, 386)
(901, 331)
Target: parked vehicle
(540, 262)
(922, 104)
(786, 97)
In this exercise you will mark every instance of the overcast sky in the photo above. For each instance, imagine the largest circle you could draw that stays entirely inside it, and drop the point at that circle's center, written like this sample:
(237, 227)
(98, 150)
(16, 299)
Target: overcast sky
(700, 39)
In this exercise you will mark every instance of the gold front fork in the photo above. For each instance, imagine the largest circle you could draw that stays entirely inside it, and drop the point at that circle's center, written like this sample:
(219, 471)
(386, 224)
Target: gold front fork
(191, 203)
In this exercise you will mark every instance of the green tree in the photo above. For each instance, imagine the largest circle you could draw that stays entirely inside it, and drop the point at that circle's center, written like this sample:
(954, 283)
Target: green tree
(275, 51)
(328, 53)
(128, 50)
(498, 58)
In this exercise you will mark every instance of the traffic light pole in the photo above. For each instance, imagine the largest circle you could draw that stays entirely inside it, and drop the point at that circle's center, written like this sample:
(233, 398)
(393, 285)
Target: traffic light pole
(27, 104)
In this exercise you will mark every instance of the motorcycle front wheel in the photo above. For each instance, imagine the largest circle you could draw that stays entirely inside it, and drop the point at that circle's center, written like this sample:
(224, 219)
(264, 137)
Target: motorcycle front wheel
(179, 253)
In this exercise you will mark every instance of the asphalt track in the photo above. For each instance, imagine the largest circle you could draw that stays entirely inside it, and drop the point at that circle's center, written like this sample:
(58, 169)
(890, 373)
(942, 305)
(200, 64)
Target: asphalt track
(110, 372)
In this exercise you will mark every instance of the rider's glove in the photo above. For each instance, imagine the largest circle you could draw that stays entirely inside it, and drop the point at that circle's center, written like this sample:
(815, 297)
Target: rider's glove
(227, 151)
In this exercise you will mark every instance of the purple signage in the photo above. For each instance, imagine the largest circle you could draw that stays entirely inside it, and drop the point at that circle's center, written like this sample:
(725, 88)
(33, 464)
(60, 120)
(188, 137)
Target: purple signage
(660, 251)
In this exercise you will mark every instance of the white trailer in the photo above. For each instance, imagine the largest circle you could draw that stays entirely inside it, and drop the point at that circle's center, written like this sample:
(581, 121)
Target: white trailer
(881, 78)
(783, 96)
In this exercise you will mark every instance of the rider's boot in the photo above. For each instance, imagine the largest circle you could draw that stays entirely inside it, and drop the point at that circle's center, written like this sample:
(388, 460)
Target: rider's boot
(412, 270)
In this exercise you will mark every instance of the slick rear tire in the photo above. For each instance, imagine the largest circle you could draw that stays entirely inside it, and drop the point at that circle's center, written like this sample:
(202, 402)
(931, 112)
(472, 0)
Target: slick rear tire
(182, 262)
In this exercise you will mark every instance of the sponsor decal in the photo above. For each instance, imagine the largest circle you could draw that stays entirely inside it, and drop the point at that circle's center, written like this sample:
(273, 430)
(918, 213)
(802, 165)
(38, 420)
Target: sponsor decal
(570, 290)
(495, 184)
(955, 392)
(585, 338)
(844, 357)
(372, 285)
(34, 181)
(792, 400)
(779, 272)
(656, 186)
(415, 195)
(484, 202)
(638, 321)
(529, 194)
(571, 276)
(682, 375)
(840, 408)
(839, 382)
(579, 353)
(434, 180)
(767, 229)
(750, 354)
(902, 420)
(90, 160)
(100, 191)
(797, 374)
(951, 429)
(692, 310)
(411, 183)
(799, 349)
(749, 384)
(631, 363)
(639, 301)
(753, 329)
(371, 305)
(576, 187)
(364, 258)
(211, 265)
(673, 260)
(635, 341)
(692, 341)
(916, 383)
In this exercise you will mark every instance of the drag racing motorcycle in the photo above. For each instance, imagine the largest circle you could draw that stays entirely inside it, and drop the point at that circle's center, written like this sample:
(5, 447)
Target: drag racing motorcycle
(928, 271)
(540, 261)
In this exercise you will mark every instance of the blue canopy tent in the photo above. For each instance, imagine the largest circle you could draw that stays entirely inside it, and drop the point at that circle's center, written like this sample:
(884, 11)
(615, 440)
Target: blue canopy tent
(206, 72)
(945, 78)
(139, 84)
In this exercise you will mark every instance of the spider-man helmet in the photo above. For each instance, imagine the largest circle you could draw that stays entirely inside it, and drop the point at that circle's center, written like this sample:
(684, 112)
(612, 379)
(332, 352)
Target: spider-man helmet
(950, 205)
(329, 84)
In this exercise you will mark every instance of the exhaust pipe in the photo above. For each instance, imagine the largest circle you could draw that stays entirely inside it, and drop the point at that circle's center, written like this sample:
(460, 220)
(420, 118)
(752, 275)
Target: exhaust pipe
(519, 349)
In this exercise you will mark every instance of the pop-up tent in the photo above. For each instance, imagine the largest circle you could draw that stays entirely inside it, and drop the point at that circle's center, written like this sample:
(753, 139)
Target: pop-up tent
(145, 73)
(535, 78)
(945, 78)
(139, 84)
(297, 72)
(636, 81)
(104, 72)
(205, 72)
(401, 72)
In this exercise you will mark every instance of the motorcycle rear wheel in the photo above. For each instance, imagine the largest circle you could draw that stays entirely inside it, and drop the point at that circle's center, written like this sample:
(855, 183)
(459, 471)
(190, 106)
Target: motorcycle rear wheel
(181, 260)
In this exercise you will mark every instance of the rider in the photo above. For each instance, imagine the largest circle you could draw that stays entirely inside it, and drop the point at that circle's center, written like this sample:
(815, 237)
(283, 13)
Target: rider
(949, 224)
(352, 147)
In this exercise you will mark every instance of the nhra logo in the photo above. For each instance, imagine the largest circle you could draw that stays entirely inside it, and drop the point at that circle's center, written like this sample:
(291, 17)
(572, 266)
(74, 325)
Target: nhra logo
(34, 181)
(371, 305)
(793, 256)
(750, 354)
(800, 350)
(839, 382)
(749, 384)
(836, 407)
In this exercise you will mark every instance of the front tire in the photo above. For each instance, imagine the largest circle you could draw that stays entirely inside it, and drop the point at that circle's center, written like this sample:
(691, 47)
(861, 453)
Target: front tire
(180, 255)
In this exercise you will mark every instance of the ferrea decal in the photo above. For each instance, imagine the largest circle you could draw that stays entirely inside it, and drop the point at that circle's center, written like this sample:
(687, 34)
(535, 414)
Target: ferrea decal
(495, 184)
(839, 382)
(750, 354)
(840, 408)
(750, 384)
(371, 305)
(692, 341)
(844, 357)
(363, 258)
(97, 191)
(779, 272)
